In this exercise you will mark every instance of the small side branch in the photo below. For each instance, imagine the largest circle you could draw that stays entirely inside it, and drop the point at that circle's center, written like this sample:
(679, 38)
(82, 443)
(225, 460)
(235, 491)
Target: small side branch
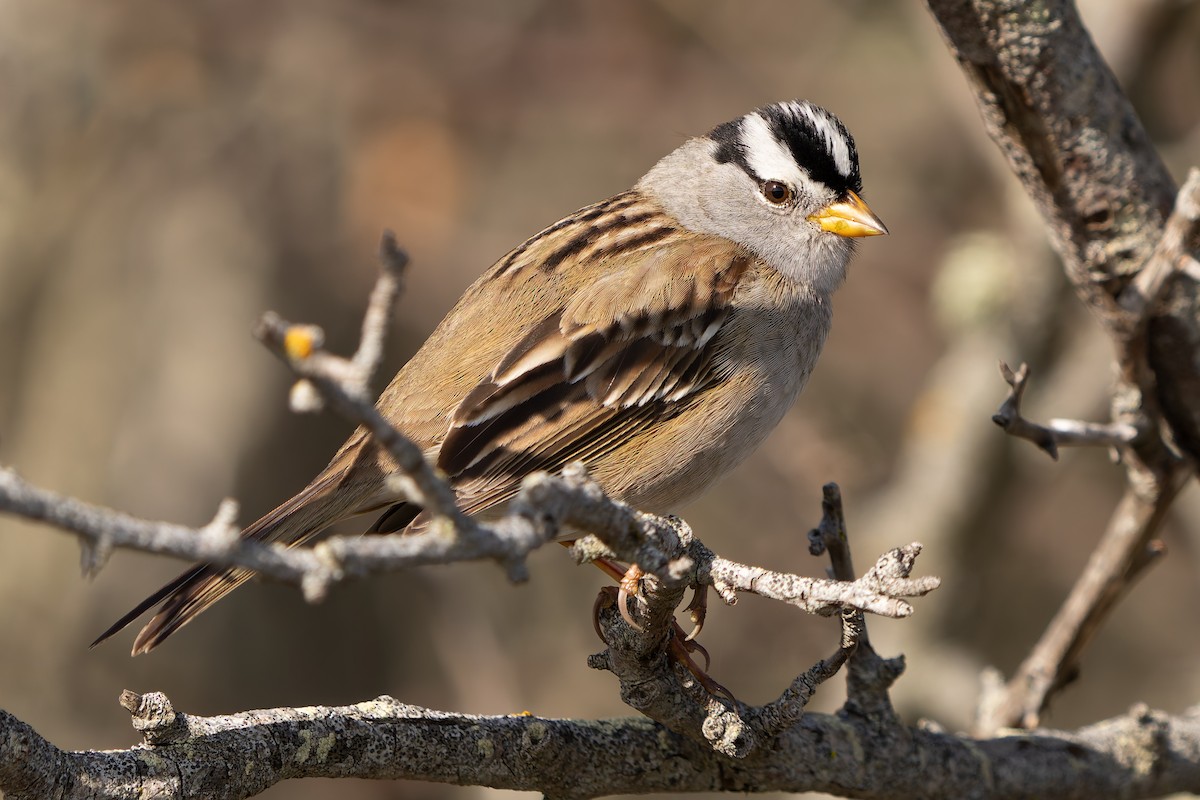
(647, 659)
(1066, 432)
(870, 676)
(1121, 557)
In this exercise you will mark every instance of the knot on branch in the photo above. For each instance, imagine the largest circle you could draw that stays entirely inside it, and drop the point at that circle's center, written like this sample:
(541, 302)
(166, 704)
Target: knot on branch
(727, 732)
(328, 569)
(154, 717)
(890, 575)
(94, 554)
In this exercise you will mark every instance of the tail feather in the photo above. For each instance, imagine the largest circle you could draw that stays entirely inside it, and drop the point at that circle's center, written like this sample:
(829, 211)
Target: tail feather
(204, 587)
(319, 505)
(186, 579)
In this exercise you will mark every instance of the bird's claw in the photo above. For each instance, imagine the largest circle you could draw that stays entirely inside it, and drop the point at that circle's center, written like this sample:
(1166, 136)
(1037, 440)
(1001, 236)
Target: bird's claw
(681, 650)
(682, 645)
(697, 611)
(629, 585)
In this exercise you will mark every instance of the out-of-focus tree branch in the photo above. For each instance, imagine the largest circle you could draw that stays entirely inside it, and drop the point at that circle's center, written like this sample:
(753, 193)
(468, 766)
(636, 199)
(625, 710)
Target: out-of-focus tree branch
(1069, 133)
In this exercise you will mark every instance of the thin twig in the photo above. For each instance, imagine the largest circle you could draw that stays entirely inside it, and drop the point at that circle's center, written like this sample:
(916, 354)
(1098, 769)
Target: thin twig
(1066, 432)
(869, 676)
(1122, 556)
(381, 307)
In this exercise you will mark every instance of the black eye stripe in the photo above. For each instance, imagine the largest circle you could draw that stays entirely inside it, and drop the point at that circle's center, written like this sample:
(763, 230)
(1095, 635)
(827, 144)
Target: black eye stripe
(801, 137)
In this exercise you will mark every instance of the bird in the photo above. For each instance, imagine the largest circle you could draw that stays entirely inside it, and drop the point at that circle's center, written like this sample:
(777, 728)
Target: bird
(657, 336)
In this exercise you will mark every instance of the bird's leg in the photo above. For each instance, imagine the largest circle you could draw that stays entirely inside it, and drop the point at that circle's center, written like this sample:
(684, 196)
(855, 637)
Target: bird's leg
(681, 645)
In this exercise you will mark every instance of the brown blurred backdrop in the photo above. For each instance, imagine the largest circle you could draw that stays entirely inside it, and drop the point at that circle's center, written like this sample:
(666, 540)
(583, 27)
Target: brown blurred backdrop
(170, 170)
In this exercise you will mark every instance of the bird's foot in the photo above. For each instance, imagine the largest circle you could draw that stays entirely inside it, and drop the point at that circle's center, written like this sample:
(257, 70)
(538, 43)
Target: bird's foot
(682, 647)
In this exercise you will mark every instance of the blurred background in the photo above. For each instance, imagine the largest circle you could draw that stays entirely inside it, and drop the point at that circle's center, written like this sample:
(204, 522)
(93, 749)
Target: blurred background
(168, 171)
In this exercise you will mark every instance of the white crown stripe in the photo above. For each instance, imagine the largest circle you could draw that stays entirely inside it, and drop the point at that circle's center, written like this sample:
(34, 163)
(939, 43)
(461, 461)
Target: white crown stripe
(770, 159)
(765, 154)
(834, 138)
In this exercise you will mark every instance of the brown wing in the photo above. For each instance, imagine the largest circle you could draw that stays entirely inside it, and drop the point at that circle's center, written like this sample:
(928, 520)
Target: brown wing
(635, 344)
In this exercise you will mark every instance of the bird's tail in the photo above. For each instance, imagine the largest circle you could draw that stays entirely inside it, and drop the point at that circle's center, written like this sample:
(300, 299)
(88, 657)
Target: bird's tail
(317, 506)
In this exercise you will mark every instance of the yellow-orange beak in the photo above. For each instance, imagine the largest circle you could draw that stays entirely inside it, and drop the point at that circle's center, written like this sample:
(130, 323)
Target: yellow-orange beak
(850, 218)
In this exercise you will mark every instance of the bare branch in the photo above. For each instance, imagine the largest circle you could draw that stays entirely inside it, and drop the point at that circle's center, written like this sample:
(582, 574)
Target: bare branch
(1058, 431)
(380, 308)
(298, 342)
(1141, 754)
(1071, 136)
(870, 676)
(1119, 559)
(650, 659)
(339, 382)
(878, 592)
(104, 528)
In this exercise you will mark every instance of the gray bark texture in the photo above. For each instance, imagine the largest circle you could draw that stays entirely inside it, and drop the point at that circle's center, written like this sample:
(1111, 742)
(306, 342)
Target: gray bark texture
(1139, 755)
(1054, 108)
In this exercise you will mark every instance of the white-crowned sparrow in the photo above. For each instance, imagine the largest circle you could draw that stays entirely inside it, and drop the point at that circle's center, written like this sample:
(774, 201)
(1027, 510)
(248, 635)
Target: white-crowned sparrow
(658, 336)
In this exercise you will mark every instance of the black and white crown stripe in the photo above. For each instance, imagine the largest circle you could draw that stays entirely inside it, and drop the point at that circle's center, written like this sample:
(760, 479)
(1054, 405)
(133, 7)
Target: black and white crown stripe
(795, 142)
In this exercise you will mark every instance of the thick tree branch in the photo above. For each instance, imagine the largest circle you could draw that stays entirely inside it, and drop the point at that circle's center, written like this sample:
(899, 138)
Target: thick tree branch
(1142, 754)
(1055, 110)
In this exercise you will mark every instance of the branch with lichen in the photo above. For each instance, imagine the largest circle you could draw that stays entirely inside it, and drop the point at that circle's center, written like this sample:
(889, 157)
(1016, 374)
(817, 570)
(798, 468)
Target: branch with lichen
(1128, 242)
(1141, 754)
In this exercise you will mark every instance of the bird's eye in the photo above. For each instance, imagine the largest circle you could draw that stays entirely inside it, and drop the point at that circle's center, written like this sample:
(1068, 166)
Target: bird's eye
(777, 193)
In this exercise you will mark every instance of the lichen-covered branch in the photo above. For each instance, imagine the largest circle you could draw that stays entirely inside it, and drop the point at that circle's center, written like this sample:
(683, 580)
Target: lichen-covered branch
(1141, 754)
(656, 677)
(1127, 242)
(1070, 134)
